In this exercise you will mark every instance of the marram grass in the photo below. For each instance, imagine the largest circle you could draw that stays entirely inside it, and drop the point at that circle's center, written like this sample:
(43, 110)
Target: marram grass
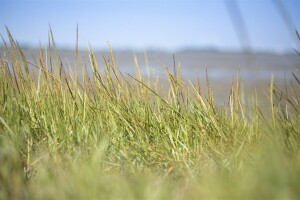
(68, 134)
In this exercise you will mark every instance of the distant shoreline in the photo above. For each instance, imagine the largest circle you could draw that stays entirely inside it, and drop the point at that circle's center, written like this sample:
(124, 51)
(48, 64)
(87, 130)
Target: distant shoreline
(158, 50)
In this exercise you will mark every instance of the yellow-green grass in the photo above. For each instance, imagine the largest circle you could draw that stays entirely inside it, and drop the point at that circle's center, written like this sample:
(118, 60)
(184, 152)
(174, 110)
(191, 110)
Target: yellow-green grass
(65, 134)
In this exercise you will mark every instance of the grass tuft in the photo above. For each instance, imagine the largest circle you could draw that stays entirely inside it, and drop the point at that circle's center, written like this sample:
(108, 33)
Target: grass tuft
(68, 134)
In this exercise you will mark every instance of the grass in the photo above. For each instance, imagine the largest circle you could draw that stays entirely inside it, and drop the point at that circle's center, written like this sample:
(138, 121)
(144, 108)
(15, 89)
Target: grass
(68, 134)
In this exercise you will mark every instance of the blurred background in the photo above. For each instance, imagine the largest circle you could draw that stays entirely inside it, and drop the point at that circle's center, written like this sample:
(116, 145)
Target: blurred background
(263, 25)
(256, 37)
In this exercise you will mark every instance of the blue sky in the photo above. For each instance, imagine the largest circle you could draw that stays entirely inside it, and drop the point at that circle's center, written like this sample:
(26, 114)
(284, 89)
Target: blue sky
(143, 24)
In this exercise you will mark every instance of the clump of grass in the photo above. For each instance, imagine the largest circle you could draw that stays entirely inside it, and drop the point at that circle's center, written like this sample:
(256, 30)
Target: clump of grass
(65, 134)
